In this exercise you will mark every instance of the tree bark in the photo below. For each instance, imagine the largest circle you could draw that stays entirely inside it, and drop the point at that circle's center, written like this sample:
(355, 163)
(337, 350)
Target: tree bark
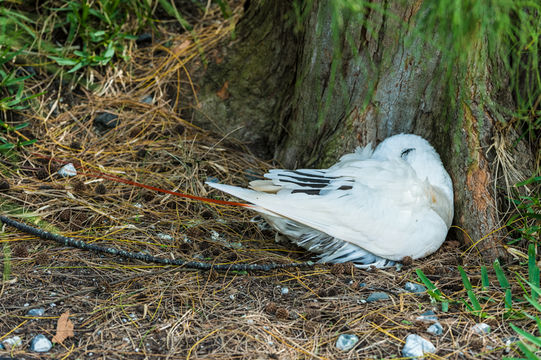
(245, 93)
(309, 97)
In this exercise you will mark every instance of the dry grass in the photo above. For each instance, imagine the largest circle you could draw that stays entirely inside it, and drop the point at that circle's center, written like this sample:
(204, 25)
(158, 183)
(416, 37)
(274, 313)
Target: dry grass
(132, 310)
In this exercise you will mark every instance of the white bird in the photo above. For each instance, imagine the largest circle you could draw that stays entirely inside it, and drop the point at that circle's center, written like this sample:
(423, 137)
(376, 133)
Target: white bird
(373, 207)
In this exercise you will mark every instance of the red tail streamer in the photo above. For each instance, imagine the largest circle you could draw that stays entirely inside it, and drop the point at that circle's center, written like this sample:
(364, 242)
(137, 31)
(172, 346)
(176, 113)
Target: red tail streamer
(101, 175)
(188, 196)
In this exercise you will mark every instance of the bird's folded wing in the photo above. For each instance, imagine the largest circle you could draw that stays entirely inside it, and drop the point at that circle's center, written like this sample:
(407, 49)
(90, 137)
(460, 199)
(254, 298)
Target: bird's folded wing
(303, 181)
(356, 203)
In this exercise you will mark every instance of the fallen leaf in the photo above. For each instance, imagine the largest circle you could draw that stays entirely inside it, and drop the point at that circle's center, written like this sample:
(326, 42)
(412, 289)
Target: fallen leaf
(178, 49)
(223, 93)
(64, 328)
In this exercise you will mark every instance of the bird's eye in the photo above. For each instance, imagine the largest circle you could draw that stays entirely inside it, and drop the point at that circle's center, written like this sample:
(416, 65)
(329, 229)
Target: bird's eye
(405, 153)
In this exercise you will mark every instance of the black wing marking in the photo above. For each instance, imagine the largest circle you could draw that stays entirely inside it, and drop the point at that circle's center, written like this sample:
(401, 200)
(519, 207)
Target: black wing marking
(310, 182)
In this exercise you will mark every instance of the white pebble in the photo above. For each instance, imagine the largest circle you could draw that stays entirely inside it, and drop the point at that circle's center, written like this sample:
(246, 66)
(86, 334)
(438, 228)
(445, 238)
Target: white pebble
(346, 342)
(435, 329)
(36, 312)
(165, 237)
(40, 344)
(12, 342)
(481, 329)
(67, 170)
(417, 346)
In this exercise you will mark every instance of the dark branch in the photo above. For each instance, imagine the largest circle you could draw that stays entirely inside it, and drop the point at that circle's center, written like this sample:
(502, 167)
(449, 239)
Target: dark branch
(67, 241)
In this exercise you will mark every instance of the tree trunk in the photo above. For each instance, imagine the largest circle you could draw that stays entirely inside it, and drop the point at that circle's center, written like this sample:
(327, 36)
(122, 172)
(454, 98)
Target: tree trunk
(308, 97)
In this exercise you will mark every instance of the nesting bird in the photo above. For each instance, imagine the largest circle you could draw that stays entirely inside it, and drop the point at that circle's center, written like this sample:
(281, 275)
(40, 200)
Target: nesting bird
(373, 208)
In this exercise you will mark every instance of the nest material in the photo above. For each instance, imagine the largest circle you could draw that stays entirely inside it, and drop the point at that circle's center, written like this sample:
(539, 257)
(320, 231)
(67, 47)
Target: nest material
(129, 309)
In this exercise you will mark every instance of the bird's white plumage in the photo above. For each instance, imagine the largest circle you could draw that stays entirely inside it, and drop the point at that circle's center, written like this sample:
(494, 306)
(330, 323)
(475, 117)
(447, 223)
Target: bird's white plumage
(373, 207)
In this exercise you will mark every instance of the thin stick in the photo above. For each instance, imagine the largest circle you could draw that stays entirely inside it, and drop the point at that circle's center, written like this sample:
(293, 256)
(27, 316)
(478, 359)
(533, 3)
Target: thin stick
(67, 241)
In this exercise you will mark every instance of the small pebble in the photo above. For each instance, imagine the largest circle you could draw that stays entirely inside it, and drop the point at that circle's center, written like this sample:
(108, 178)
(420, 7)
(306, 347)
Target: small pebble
(67, 170)
(106, 120)
(12, 342)
(36, 312)
(141, 153)
(285, 290)
(4, 185)
(417, 346)
(75, 145)
(40, 344)
(508, 342)
(179, 129)
(148, 99)
(435, 329)
(167, 237)
(25, 70)
(414, 288)
(346, 342)
(376, 296)
(481, 329)
(235, 245)
(215, 236)
(212, 179)
(144, 38)
(428, 316)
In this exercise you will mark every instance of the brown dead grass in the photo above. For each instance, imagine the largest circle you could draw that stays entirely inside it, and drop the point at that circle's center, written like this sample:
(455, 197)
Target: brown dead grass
(132, 310)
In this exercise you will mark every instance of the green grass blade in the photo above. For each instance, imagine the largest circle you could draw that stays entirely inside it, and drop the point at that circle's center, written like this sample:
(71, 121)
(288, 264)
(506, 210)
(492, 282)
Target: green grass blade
(465, 279)
(432, 289)
(508, 299)
(484, 278)
(529, 181)
(444, 306)
(533, 302)
(533, 270)
(533, 339)
(500, 275)
(527, 352)
(535, 289)
(172, 11)
(224, 8)
(28, 142)
(475, 303)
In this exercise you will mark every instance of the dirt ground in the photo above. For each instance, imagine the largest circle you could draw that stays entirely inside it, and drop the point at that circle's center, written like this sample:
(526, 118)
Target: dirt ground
(126, 309)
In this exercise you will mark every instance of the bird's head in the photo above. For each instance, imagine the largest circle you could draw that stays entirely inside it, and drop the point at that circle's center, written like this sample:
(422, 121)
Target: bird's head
(422, 157)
